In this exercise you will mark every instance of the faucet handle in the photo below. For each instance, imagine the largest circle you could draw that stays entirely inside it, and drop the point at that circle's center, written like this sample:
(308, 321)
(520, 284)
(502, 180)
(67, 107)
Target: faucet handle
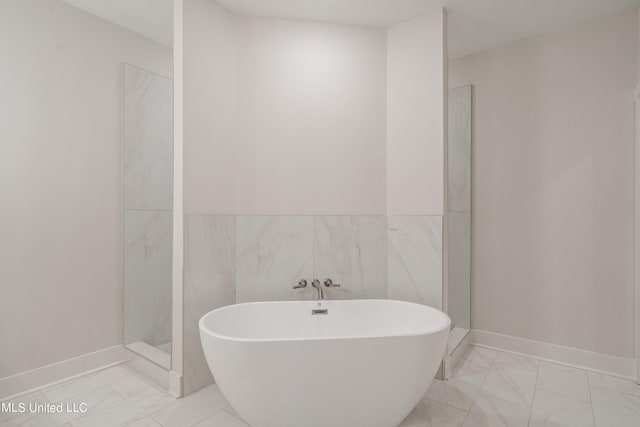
(329, 284)
(301, 284)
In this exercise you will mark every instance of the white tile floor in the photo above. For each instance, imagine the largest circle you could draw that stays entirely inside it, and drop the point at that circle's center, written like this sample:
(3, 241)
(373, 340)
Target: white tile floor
(490, 389)
(500, 389)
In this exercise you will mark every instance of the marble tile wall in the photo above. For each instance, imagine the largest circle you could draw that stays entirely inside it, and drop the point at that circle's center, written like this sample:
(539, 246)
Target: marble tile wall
(147, 276)
(459, 149)
(415, 259)
(234, 259)
(148, 140)
(459, 229)
(209, 283)
(148, 193)
(459, 206)
(352, 251)
(272, 254)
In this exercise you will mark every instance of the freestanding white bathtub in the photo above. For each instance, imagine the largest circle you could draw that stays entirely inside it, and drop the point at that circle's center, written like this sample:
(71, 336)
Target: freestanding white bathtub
(362, 363)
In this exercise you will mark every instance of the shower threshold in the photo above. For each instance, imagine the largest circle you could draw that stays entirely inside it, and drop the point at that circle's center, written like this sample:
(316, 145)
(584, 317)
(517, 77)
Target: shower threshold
(160, 354)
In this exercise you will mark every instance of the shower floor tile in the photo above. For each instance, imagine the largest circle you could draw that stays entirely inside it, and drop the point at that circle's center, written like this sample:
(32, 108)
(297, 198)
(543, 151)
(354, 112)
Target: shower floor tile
(490, 389)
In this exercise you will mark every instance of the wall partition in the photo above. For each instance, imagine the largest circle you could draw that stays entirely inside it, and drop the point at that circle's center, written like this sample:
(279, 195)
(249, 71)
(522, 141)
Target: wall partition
(312, 150)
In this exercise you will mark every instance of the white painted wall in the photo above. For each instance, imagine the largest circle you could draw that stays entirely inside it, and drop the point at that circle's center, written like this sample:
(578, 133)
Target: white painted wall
(60, 179)
(288, 117)
(553, 151)
(415, 116)
(210, 107)
(282, 117)
(150, 18)
(312, 118)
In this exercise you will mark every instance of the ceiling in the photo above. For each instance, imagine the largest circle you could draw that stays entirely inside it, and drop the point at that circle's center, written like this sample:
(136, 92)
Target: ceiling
(150, 18)
(473, 25)
(477, 25)
(362, 12)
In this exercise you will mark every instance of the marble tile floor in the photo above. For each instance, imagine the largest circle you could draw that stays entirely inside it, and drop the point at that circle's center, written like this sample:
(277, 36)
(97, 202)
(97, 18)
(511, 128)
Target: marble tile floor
(489, 389)
(494, 389)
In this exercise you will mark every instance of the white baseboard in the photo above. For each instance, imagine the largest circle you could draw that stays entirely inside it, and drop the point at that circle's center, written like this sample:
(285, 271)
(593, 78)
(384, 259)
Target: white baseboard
(597, 362)
(29, 381)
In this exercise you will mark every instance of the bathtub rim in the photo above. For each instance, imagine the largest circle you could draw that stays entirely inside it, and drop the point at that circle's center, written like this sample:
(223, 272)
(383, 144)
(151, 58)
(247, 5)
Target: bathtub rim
(204, 329)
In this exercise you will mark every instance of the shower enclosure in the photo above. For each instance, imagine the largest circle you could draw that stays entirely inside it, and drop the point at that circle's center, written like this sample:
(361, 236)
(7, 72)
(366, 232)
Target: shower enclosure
(148, 202)
(459, 215)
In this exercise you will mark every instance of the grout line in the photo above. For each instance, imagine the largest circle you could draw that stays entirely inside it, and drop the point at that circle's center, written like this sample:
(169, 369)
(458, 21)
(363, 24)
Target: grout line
(226, 409)
(206, 417)
(199, 213)
(314, 239)
(444, 404)
(135, 420)
(493, 362)
(115, 391)
(613, 390)
(466, 411)
(148, 210)
(535, 390)
(90, 389)
(593, 414)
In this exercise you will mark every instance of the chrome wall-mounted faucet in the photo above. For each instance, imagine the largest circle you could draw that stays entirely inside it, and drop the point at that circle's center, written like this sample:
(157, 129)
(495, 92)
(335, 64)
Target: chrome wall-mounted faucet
(329, 284)
(317, 286)
(319, 290)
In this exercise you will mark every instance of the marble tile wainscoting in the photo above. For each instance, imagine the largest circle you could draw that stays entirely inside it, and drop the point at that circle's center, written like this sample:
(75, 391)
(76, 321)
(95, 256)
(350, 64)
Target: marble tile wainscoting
(490, 389)
(209, 283)
(415, 259)
(234, 259)
(272, 254)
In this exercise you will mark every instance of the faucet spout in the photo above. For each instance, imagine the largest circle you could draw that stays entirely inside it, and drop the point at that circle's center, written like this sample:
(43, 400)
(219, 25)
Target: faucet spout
(319, 292)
